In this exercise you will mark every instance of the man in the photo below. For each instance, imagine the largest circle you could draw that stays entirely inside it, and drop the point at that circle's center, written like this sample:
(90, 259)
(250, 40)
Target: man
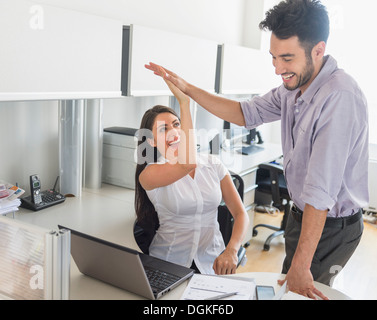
(324, 128)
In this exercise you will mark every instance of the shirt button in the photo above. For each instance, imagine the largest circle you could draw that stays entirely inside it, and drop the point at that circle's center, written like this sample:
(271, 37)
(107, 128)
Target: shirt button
(297, 110)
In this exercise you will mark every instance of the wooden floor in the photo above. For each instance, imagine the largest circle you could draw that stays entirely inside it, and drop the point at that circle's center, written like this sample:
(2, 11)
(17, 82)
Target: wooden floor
(358, 279)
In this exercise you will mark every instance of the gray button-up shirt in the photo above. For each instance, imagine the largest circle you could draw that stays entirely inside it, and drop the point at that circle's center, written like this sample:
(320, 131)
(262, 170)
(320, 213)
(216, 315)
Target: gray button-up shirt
(324, 136)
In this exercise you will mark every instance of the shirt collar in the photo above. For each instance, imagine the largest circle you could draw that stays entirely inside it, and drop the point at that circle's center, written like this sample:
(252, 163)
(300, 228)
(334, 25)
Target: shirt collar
(329, 66)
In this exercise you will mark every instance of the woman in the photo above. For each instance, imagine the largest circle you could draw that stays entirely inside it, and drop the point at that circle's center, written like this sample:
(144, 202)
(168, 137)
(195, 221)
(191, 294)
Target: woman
(185, 190)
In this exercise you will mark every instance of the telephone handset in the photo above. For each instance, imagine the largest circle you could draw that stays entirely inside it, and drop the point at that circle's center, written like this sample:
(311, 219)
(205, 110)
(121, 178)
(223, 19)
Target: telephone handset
(35, 189)
(41, 199)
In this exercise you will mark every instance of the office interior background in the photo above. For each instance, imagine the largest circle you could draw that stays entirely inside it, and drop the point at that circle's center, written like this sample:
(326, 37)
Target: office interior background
(29, 130)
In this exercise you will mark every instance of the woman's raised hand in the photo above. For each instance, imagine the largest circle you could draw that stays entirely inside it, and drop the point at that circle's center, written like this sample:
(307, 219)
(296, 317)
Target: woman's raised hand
(176, 84)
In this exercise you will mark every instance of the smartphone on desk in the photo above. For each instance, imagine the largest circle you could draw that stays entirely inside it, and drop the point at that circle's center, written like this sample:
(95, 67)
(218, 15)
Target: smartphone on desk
(38, 199)
(265, 292)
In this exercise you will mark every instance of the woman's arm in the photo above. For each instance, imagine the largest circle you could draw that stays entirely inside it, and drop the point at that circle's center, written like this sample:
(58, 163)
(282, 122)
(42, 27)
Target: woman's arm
(159, 175)
(226, 263)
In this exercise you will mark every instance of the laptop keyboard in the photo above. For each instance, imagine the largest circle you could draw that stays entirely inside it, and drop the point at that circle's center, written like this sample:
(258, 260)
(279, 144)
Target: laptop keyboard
(160, 280)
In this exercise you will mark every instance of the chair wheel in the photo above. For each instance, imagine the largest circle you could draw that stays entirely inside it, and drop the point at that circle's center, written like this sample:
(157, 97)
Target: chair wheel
(255, 232)
(266, 247)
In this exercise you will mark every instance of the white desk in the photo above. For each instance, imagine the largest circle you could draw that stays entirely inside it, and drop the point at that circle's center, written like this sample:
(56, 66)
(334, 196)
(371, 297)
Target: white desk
(108, 213)
(240, 164)
(83, 287)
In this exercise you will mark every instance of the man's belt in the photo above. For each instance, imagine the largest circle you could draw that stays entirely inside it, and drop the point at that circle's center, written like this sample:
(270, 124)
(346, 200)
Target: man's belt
(331, 222)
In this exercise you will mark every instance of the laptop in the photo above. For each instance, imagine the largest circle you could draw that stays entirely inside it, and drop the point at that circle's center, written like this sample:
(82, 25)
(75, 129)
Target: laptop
(125, 268)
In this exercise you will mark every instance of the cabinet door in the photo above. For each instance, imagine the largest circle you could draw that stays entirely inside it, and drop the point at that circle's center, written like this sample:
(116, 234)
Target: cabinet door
(54, 53)
(192, 58)
(246, 71)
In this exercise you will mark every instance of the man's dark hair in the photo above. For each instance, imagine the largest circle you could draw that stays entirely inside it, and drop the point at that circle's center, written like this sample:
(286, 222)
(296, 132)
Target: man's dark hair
(306, 19)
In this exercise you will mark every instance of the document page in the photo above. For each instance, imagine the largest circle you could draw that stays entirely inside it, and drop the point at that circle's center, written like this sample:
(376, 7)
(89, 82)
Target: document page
(210, 287)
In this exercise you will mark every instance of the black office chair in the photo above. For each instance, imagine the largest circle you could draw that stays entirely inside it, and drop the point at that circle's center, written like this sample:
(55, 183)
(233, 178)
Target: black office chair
(270, 180)
(226, 220)
(144, 232)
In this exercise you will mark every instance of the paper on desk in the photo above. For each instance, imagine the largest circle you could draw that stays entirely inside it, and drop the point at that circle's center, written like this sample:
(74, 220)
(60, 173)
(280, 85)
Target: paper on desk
(203, 287)
(14, 191)
(282, 291)
(7, 206)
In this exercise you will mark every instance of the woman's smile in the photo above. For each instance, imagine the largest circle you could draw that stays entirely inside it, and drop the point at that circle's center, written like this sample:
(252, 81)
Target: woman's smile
(174, 143)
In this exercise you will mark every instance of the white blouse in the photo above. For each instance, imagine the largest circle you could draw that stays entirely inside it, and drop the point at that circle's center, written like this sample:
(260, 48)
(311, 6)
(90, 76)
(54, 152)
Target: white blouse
(187, 211)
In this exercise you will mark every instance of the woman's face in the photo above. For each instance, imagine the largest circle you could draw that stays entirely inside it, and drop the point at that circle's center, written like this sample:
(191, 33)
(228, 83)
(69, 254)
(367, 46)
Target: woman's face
(166, 134)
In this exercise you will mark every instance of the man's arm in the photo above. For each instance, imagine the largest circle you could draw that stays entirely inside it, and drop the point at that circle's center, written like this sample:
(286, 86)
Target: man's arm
(299, 277)
(223, 108)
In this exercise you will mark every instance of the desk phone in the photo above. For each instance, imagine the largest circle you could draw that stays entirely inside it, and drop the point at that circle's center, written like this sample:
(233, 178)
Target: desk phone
(38, 199)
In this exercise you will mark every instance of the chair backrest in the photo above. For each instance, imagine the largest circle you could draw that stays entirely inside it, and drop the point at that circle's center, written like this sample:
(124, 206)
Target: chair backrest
(226, 220)
(270, 179)
(144, 233)
(224, 217)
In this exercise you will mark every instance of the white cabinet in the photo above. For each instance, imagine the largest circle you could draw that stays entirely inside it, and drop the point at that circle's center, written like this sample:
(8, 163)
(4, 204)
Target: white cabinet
(245, 71)
(192, 58)
(54, 53)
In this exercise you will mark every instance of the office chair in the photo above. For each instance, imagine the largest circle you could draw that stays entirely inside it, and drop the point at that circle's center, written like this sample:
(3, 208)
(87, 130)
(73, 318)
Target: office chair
(270, 180)
(226, 221)
(144, 232)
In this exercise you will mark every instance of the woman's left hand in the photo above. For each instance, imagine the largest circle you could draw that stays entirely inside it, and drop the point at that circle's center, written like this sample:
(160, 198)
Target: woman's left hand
(226, 263)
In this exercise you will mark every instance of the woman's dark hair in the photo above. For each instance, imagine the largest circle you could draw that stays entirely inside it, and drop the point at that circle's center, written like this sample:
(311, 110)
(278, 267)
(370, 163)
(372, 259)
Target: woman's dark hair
(145, 211)
(306, 19)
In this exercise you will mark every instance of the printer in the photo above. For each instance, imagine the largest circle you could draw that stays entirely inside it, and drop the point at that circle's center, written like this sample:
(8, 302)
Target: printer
(119, 156)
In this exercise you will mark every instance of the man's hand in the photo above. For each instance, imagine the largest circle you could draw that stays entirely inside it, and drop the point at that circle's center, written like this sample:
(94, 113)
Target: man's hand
(181, 97)
(168, 75)
(301, 281)
(299, 278)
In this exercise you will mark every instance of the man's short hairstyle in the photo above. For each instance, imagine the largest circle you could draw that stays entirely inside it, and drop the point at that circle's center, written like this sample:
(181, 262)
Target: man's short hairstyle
(306, 19)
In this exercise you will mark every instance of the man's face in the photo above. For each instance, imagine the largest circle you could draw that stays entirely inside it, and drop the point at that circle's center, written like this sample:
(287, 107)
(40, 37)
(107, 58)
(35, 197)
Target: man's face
(291, 62)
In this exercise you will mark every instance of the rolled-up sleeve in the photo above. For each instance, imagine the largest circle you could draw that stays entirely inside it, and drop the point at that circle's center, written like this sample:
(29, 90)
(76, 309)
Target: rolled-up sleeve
(262, 109)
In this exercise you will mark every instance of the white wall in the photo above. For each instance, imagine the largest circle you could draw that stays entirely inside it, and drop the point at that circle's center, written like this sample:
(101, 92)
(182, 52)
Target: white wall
(117, 111)
(351, 42)
(29, 142)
